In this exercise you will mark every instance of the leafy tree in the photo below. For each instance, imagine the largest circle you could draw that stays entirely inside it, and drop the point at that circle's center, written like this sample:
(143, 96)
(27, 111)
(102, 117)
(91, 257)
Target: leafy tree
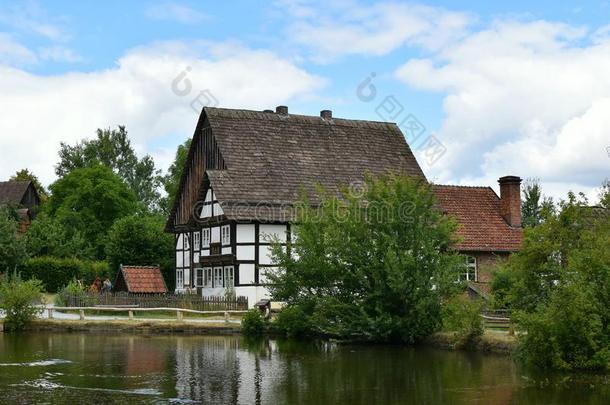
(373, 266)
(12, 249)
(88, 201)
(18, 299)
(140, 240)
(26, 175)
(49, 237)
(171, 181)
(559, 289)
(535, 207)
(112, 148)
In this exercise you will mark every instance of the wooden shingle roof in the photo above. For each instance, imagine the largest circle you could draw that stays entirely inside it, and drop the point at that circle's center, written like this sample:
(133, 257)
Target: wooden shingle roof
(271, 157)
(12, 192)
(477, 211)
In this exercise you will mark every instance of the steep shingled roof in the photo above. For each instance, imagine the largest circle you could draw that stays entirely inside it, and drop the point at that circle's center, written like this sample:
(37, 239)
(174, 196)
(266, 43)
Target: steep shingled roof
(143, 279)
(481, 226)
(12, 192)
(271, 157)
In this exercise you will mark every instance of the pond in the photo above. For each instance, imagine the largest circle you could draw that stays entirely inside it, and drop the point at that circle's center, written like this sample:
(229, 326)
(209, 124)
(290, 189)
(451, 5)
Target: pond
(87, 368)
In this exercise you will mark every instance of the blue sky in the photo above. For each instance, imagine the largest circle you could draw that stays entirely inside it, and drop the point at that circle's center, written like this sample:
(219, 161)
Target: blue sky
(505, 87)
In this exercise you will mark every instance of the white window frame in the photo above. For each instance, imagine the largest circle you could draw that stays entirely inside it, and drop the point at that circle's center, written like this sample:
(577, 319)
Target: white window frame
(205, 237)
(179, 278)
(225, 232)
(199, 277)
(471, 273)
(218, 277)
(229, 276)
(208, 280)
(197, 241)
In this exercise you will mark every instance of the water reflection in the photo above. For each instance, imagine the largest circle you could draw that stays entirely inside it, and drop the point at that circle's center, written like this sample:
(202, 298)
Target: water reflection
(64, 368)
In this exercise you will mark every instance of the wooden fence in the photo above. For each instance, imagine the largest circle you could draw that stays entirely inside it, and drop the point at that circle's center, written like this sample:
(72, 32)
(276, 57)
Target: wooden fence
(184, 301)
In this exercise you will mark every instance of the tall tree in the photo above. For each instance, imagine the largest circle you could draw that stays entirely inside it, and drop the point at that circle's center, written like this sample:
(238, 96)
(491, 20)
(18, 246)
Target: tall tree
(171, 181)
(26, 175)
(112, 148)
(89, 201)
(534, 207)
(604, 194)
(12, 249)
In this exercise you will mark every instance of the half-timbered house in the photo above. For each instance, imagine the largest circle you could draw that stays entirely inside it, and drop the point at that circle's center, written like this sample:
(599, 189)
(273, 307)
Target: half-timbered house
(23, 197)
(246, 169)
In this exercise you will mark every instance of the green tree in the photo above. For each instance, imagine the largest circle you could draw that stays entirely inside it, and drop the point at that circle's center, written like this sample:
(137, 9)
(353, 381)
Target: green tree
(12, 249)
(604, 195)
(49, 237)
(535, 207)
(171, 181)
(112, 148)
(19, 300)
(374, 266)
(88, 201)
(141, 240)
(559, 288)
(26, 175)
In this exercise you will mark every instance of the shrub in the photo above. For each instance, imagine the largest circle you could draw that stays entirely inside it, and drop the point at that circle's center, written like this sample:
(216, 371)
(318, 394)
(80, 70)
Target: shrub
(73, 289)
(19, 300)
(55, 273)
(293, 322)
(253, 324)
(462, 316)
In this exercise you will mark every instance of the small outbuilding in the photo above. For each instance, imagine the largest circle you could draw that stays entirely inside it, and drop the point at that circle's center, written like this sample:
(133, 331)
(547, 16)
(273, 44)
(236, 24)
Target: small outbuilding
(140, 280)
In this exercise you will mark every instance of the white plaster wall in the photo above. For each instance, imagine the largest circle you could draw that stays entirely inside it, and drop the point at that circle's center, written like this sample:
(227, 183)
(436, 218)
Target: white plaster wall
(267, 231)
(216, 234)
(245, 233)
(245, 252)
(253, 293)
(246, 273)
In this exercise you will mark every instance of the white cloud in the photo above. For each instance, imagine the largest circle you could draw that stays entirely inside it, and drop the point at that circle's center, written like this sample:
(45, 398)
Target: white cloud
(31, 18)
(12, 52)
(335, 29)
(171, 11)
(59, 54)
(40, 111)
(525, 98)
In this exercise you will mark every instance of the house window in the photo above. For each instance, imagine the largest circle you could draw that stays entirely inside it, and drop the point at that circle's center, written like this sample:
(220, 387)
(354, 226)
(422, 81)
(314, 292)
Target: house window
(198, 277)
(214, 248)
(229, 277)
(197, 241)
(179, 278)
(225, 232)
(470, 274)
(208, 280)
(218, 277)
(205, 239)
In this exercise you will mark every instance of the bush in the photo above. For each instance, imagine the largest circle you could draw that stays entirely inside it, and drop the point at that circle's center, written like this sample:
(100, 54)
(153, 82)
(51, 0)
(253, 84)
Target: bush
(55, 273)
(253, 324)
(293, 322)
(18, 299)
(73, 289)
(462, 316)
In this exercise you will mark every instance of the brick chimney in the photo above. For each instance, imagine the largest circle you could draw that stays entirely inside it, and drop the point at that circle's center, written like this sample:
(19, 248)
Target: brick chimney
(510, 200)
(326, 114)
(281, 109)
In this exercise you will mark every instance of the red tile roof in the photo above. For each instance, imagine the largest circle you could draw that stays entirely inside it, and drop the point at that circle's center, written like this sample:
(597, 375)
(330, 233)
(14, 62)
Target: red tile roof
(144, 279)
(477, 211)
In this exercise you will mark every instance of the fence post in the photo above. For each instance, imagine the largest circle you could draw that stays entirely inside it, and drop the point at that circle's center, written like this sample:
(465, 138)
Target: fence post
(131, 315)
(50, 312)
(81, 312)
(226, 317)
(179, 315)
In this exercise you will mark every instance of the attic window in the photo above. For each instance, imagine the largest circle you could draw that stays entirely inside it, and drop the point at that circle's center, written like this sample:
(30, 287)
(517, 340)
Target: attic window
(470, 273)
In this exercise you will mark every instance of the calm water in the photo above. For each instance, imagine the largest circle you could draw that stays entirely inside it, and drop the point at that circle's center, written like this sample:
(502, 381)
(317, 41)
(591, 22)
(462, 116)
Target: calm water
(85, 368)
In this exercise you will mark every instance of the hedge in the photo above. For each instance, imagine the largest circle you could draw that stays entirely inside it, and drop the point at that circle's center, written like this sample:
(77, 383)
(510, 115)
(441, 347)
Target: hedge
(55, 273)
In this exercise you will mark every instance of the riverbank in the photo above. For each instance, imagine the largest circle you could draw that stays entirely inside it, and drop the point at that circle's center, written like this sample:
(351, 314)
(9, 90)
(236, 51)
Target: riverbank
(135, 326)
(491, 342)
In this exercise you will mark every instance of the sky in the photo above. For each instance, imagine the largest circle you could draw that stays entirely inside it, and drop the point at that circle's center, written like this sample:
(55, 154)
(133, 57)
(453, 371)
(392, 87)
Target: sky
(480, 89)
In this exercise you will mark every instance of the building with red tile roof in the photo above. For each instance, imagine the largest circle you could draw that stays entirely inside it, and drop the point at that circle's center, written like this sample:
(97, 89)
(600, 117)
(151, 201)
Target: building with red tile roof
(141, 280)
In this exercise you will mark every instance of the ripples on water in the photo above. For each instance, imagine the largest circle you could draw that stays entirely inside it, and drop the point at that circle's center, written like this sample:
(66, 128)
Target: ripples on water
(86, 368)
